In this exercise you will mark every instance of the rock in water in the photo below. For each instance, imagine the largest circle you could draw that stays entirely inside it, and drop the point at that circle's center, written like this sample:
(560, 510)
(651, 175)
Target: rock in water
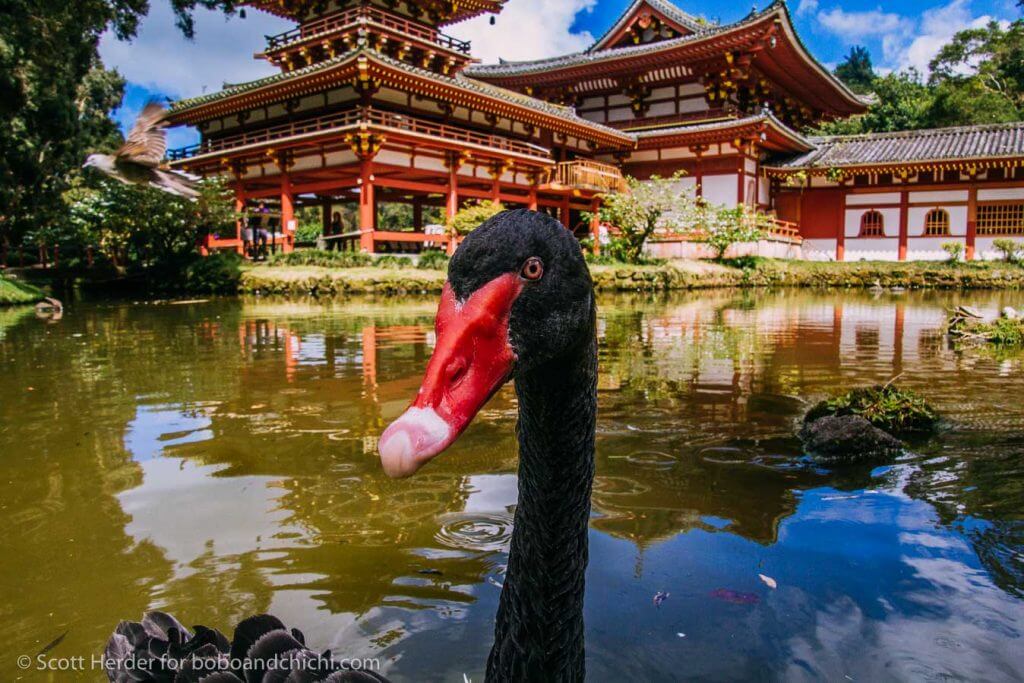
(847, 439)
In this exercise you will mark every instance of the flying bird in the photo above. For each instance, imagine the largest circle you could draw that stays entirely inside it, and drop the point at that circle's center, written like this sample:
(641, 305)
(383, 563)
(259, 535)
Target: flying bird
(139, 160)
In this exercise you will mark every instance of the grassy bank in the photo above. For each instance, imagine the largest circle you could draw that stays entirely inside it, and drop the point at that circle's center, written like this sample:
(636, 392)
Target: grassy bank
(14, 292)
(677, 275)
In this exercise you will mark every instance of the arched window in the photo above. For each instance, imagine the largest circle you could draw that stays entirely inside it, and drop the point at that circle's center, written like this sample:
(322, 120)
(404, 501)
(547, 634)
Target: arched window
(936, 223)
(872, 224)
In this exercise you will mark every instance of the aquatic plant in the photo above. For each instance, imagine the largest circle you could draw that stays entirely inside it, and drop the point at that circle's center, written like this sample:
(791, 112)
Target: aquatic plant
(1008, 330)
(894, 410)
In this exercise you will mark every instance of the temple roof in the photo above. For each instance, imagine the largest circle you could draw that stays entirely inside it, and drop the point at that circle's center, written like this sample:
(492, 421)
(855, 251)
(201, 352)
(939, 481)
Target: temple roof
(299, 10)
(179, 110)
(662, 7)
(801, 69)
(773, 134)
(992, 141)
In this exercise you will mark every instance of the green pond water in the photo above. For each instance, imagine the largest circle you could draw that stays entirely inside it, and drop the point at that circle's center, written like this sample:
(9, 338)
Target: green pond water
(217, 459)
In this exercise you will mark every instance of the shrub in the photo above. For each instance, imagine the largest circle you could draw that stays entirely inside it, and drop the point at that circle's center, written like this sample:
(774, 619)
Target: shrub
(18, 292)
(217, 273)
(472, 215)
(319, 257)
(889, 408)
(954, 249)
(1010, 249)
(721, 227)
(433, 260)
(392, 262)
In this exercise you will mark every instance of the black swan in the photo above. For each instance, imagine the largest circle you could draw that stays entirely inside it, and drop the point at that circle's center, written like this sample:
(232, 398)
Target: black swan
(518, 305)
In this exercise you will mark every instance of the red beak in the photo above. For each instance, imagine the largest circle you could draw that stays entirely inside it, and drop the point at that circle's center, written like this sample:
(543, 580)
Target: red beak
(472, 359)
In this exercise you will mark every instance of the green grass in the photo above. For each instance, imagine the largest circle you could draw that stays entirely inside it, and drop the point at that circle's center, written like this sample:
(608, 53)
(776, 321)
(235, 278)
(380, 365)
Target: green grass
(14, 292)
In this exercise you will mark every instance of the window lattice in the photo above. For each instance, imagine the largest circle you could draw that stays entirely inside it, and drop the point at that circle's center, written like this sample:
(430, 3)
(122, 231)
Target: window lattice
(936, 223)
(1001, 219)
(872, 225)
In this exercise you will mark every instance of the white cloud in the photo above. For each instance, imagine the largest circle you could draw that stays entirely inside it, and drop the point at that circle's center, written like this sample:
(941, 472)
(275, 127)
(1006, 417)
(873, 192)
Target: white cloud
(855, 26)
(938, 25)
(527, 29)
(906, 42)
(162, 60)
(807, 7)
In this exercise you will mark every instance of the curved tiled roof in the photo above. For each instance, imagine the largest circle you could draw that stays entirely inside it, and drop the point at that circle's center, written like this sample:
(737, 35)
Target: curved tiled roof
(910, 147)
(664, 7)
(766, 117)
(459, 80)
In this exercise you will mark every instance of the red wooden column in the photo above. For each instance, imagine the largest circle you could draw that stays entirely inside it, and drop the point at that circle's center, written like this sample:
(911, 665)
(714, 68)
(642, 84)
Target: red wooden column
(287, 212)
(531, 198)
(972, 219)
(367, 204)
(563, 212)
(239, 210)
(496, 171)
(904, 227)
(454, 163)
(595, 223)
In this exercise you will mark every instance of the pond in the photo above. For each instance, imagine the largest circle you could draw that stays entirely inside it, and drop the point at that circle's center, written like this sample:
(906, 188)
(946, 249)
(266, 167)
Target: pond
(217, 459)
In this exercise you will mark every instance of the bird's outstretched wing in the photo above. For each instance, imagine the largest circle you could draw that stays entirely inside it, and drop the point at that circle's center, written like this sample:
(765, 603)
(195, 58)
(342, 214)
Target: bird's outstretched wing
(147, 141)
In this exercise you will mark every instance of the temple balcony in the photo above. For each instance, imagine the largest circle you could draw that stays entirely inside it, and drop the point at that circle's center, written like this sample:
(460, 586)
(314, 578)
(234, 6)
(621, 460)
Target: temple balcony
(316, 131)
(336, 33)
(584, 174)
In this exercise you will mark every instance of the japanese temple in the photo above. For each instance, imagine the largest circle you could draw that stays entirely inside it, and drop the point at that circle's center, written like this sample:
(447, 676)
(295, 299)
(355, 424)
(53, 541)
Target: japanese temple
(375, 104)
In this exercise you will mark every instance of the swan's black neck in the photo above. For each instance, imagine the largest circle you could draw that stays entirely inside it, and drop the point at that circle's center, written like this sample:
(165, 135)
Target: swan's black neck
(539, 627)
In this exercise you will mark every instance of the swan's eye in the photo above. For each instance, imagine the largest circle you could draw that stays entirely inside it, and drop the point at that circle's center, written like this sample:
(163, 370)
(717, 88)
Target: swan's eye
(533, 269)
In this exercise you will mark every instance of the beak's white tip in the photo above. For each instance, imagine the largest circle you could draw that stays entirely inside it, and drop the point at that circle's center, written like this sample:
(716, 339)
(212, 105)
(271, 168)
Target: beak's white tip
(412, 440)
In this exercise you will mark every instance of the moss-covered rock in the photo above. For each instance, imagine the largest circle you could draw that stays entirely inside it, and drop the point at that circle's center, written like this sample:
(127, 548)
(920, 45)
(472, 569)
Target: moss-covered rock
(889, 408)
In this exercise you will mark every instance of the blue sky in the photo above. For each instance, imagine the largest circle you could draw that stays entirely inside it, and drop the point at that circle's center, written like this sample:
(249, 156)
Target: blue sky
(160, 63)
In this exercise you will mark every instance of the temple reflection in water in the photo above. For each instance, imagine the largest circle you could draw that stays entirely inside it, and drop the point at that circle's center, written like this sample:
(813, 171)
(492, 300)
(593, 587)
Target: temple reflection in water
(219, 460)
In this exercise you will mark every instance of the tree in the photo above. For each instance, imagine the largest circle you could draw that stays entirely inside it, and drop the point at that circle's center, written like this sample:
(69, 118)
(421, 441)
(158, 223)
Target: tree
(55, 97)
(902, 102)
(648, 205)
(856, 71)
(138, 226)
(721, 227)
(979, 76)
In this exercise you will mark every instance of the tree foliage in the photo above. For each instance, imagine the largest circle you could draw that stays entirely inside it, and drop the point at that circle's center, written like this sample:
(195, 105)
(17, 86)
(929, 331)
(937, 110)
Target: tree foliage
(977, 78)
(137, 226)
(721, 227)
(472, 215)
(856, 71)
(55, 97)
(648, 206)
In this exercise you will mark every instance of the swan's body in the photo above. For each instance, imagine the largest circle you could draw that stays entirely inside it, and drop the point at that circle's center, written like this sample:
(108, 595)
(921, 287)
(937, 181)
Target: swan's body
(518, 305)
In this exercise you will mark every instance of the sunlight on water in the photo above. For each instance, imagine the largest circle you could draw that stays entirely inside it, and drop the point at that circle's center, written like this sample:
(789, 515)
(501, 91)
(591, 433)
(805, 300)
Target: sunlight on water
(218, 459)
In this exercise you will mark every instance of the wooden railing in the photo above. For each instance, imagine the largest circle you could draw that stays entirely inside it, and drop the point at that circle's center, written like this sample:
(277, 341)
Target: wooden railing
(359, 117)
(338, 20)
(785, 229)
(588, 175)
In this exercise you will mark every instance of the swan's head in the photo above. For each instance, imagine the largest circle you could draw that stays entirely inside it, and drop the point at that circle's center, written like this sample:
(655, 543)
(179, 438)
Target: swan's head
(518, 295)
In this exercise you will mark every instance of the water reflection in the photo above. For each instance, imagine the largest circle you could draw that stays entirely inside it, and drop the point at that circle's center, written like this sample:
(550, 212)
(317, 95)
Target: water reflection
(219, 459)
